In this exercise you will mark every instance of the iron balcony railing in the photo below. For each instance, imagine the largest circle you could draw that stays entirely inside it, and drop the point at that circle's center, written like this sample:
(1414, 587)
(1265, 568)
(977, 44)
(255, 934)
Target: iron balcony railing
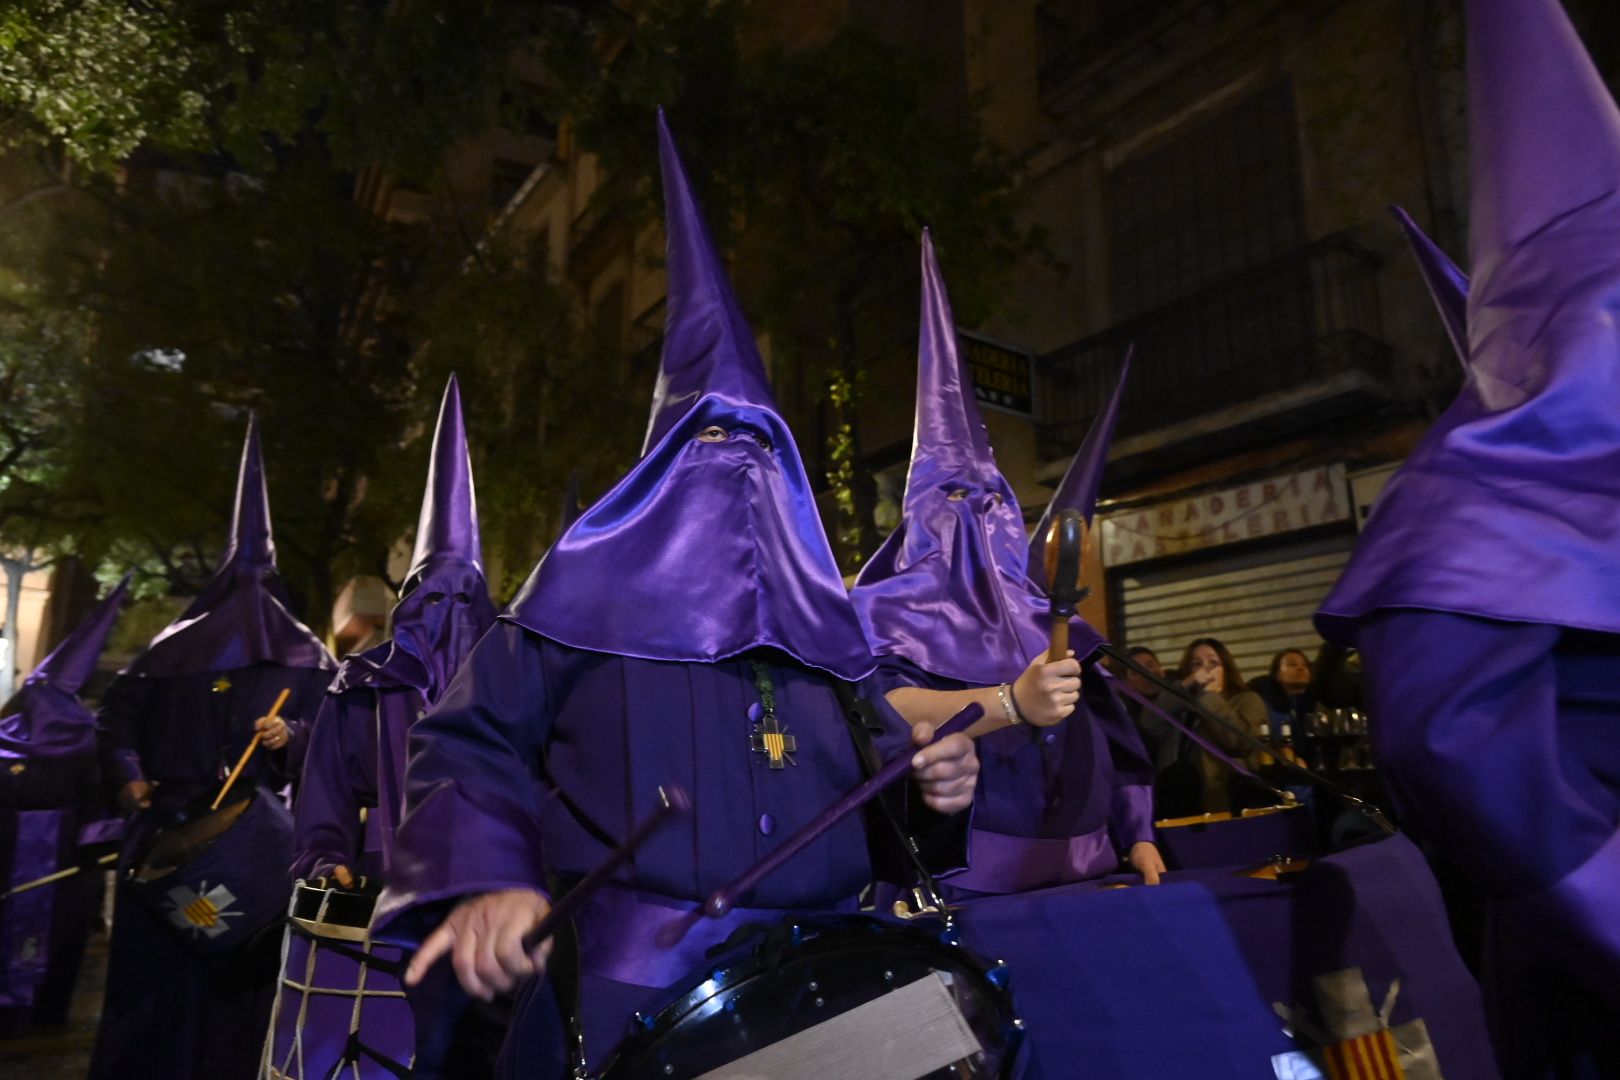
(1295, 320)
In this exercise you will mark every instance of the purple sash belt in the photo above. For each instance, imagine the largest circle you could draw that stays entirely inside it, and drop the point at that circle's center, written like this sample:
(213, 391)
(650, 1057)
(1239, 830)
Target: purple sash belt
(998, 863)
(619, 927)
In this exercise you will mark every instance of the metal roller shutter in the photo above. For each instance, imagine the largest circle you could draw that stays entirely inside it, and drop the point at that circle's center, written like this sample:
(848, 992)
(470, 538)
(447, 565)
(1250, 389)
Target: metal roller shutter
(1257, 602)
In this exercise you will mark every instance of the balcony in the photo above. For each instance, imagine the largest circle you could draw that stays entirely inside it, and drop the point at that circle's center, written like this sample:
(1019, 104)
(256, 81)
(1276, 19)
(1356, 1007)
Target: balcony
(1285, 347)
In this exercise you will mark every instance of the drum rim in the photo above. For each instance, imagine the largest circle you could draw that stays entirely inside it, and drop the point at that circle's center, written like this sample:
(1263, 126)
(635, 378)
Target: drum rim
(132, 870)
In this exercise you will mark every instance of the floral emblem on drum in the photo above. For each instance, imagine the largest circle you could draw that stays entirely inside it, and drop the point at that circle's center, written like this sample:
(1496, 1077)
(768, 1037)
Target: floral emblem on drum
(203, 912)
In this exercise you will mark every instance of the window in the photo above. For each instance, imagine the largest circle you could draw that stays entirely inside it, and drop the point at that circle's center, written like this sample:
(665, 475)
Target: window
(1221, 197)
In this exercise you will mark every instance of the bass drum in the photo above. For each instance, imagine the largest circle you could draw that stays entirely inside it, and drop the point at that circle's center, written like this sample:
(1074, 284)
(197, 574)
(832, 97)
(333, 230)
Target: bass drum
(215, 877)
(854, 997)
(340, 1009)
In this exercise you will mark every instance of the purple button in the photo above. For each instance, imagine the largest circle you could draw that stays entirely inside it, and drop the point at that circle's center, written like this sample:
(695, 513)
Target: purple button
(1050, 738)
(756, 711)
(767, 824)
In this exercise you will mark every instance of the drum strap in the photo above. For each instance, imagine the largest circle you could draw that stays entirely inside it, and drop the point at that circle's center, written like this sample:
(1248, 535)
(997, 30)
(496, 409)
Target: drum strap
(563, 969)
(881, 812)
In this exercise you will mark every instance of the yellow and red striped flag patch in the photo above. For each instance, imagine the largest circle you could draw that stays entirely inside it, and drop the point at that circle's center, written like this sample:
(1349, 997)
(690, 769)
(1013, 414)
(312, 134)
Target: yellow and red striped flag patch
(1366, 1057)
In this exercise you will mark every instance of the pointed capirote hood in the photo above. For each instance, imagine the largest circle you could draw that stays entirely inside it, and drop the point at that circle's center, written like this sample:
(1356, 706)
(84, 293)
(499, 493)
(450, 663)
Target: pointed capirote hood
(70, 665)
(447, 526)
(1447, 284)
(1509, 508)
(241, 616)
(948, 590)
(46, 718)
(251, 545)
(711, 546)
(1083, 479)
(444, 605)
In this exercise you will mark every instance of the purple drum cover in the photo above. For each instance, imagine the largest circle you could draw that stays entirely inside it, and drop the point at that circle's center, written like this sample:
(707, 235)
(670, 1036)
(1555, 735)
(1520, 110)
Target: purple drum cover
(233, 889)
(326, 993)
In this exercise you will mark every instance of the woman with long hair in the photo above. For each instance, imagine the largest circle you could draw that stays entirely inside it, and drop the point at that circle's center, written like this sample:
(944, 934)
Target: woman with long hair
(1191, 780)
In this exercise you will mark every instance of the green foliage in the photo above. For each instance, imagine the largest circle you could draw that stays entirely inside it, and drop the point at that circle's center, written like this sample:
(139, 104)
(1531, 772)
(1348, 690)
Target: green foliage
(100, 77)
(532, 382)
(203, 253)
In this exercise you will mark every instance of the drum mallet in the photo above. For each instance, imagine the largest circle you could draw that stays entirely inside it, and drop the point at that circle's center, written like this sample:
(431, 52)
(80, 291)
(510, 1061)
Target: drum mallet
(672, 800)
(1065, 555)
(724, 899)
(241, 762)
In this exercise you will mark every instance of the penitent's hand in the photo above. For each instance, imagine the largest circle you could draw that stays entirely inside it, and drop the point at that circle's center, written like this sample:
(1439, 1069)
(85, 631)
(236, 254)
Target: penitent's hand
(273, 732)
(483, 937)
(946, 772)
(135, 795)
(1046, 693)
(1146, 860)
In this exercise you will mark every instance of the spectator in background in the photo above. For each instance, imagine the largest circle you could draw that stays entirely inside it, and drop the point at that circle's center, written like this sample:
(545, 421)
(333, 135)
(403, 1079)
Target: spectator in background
(1192, 781)
(1286, 689)
(1153, 728)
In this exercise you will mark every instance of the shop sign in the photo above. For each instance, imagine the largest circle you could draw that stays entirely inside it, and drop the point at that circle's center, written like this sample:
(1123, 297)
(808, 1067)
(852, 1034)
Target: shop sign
(1270, 507)
(1002, 376)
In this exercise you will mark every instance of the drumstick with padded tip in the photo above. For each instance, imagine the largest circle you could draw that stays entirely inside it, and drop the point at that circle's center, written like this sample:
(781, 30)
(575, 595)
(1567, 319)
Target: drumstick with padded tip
(258, 737)
(724, 899)
(1065, 558)
(671, 800)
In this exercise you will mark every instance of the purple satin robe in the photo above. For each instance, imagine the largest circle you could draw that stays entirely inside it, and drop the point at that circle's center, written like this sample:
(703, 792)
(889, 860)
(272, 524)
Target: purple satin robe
(1500, 750)
(168, 1011)
(527, 715)
(1054, 805)
(340, 780)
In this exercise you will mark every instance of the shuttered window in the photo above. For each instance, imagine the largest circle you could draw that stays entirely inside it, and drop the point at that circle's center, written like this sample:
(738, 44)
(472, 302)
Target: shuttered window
(1256, 602)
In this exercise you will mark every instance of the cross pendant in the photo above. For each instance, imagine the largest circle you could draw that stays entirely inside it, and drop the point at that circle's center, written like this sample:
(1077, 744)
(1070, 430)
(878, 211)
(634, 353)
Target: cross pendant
(772, 740)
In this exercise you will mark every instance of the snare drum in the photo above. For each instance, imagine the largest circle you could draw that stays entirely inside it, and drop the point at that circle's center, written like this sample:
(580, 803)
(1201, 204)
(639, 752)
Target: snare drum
(340, 1010)
(215, 877)
(847, 996)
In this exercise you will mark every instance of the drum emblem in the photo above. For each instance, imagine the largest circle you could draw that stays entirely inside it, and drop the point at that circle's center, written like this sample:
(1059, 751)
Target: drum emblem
(203, 912)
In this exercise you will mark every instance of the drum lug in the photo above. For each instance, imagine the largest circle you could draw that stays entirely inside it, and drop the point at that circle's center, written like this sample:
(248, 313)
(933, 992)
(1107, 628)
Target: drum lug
(921, 905)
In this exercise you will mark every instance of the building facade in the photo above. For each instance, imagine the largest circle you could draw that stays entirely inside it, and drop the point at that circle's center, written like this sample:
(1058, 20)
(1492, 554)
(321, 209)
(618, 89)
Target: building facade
(1213, 177)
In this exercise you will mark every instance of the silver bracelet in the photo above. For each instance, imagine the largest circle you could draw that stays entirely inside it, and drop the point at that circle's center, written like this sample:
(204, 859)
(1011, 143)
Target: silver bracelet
(1007, 707)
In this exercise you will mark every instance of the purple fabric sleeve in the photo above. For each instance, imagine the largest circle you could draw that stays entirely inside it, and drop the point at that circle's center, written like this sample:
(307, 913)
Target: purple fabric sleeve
(1130, 816)
(327, 831)
(121, 709)
(461, 838)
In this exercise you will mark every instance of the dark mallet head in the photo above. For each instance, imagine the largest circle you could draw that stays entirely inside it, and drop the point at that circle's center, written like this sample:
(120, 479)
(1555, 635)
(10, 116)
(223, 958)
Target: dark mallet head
(1065, 550)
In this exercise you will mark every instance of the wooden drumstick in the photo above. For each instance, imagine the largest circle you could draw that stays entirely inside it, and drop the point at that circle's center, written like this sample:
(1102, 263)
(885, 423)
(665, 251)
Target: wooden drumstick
(40, 882)
(672, 801)
(258, 737)
(1065, 558)
(723, 900)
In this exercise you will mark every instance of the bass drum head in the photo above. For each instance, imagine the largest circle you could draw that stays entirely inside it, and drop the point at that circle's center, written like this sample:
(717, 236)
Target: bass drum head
(847, 996)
